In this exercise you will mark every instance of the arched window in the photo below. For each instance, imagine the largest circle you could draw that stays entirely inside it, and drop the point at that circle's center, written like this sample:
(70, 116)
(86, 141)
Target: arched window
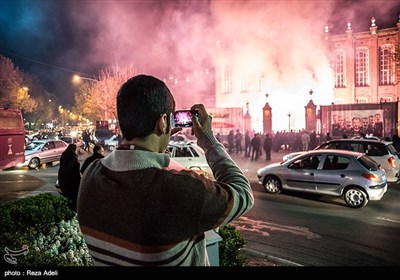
(244, 83)
(227, 79)
(386, 65)
(340, 64)
(362, 66)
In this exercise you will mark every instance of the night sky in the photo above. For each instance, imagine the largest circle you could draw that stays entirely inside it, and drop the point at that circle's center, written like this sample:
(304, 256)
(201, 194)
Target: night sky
(56, 39)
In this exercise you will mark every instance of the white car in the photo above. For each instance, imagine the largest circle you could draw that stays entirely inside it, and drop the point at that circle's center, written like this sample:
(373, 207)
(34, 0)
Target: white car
(191, 156)
(181, 137)
(111, 143)
(72, 139)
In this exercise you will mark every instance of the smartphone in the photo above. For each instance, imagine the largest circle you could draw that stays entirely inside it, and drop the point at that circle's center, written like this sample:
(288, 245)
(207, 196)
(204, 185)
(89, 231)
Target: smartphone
(183, 118)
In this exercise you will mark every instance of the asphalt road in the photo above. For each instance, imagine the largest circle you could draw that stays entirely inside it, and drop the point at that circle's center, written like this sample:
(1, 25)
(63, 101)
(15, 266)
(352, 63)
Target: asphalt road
(311, 230)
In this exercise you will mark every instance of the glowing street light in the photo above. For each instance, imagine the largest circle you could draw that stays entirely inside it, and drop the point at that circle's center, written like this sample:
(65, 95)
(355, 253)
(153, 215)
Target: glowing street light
(77, 79)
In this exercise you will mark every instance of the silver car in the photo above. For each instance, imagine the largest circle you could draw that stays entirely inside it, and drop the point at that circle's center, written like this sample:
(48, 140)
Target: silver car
(383, 152)
(111, 143)
(352, 175)
(43, 151)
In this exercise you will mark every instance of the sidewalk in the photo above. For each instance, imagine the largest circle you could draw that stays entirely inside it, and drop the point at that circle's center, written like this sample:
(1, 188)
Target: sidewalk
(250, 167)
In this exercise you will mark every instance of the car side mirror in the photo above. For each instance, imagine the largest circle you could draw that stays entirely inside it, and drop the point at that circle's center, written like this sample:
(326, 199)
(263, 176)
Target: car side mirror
(45, 149)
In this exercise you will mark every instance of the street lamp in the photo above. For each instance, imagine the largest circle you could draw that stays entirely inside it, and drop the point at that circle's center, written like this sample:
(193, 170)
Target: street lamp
(289, 115)
(77, 79)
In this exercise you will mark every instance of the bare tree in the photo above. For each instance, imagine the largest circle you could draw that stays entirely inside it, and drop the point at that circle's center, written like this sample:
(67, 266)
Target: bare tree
(97, 99)
(111, 79)
(83, 102)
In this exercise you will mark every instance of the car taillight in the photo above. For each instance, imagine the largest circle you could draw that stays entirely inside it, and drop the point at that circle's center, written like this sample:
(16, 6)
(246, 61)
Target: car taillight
(371, 177)
(392, 162)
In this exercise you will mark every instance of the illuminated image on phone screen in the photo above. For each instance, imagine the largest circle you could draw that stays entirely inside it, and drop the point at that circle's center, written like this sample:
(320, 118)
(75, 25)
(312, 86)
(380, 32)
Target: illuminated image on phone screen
(183, 118)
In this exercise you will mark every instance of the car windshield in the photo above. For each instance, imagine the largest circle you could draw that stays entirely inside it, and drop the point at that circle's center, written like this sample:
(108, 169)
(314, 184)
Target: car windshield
(34, 146)
(368, 163)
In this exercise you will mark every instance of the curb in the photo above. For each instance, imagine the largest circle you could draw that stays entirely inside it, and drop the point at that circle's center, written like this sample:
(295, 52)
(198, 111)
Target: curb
(277, 260)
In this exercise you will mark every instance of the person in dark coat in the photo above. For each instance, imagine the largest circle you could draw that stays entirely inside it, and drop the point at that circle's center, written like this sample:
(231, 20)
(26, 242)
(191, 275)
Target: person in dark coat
(97, 153)
(231, 142)
(69, 175)
(267, 147)
(247, 144)
(256, 147)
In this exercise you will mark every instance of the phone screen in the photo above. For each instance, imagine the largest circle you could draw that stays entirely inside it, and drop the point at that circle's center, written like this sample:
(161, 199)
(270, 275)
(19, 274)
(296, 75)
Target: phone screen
(183, 118)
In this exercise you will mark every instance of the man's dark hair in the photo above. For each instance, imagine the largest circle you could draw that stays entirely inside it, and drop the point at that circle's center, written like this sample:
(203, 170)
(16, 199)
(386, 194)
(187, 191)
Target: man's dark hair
(140, 102)
(96, 149)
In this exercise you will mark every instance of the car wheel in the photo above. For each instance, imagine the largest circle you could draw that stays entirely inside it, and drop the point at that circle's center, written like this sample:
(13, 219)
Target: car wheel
(355, 197)
(272, 185)
(33, 163)
(111, 148)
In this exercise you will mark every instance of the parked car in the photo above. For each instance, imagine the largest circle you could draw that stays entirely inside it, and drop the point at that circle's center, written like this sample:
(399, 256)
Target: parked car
(367, 137)
(352, 175)
(383, 152)
(111, 143)
(100, 135)
(191, 156)
(41, 135)
(43, 151)
(181, 137)
(72, 139)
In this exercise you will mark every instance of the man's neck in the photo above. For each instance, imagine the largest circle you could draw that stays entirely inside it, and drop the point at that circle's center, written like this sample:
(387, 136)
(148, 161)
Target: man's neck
(149, 143)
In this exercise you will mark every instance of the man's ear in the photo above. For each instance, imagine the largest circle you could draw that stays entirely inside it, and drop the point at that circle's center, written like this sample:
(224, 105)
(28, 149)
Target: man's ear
(161, 126)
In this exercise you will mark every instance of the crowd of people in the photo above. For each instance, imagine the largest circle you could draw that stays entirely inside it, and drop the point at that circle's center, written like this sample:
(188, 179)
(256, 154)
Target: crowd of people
(255, 145)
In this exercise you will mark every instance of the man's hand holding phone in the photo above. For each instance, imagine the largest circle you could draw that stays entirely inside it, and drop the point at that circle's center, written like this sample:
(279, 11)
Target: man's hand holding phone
(202, 123)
